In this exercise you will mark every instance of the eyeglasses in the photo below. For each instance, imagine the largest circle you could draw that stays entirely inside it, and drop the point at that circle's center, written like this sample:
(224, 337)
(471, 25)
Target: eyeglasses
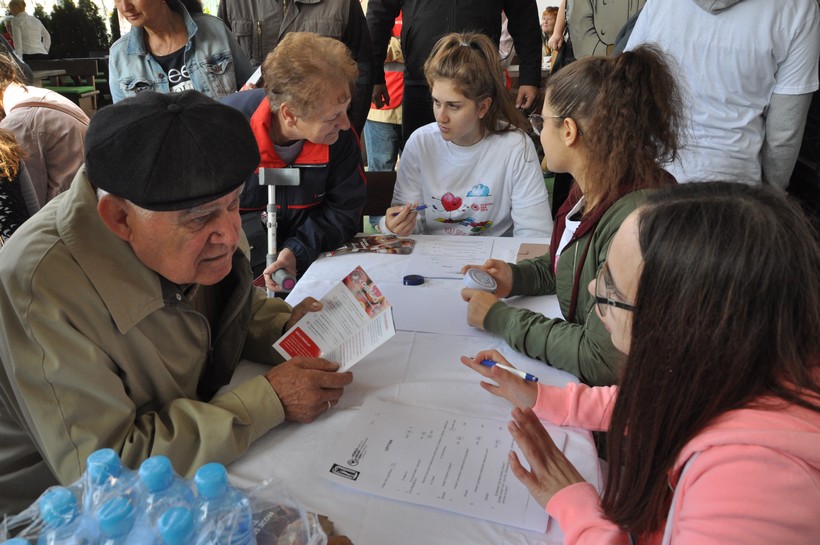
(603, 293)
(537, 122)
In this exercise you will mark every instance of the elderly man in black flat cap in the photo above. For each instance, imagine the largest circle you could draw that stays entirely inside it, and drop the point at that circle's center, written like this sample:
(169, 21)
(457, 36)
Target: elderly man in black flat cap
(127, 303)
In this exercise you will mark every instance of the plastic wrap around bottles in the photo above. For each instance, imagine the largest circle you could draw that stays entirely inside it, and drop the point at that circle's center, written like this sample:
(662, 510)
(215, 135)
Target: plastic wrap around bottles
(113, 505)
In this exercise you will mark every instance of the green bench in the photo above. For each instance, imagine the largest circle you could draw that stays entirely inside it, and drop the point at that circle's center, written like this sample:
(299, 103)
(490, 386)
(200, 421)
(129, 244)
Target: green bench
(78, 84)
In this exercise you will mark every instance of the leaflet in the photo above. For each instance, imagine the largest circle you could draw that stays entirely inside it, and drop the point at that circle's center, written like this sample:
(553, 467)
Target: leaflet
(380, 244)
(355, 320)
(431, 457)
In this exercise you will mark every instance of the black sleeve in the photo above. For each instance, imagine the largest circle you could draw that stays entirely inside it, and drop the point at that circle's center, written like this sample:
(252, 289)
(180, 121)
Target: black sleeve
(357, 39)
(523, 25)
(381, 16)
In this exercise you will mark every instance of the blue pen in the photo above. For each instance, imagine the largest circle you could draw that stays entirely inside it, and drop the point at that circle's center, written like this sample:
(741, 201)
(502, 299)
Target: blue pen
(419, 208)
(513, 370)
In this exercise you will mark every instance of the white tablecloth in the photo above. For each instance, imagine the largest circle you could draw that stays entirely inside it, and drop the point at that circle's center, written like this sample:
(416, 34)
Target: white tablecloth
(418, 368)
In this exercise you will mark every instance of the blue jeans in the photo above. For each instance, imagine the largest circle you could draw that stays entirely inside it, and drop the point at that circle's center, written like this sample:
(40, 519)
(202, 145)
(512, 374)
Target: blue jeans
(382, 141)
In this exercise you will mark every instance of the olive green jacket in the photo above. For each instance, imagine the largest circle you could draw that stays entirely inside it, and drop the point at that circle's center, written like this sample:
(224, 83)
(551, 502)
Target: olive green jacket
(579, 344)
(97, 350)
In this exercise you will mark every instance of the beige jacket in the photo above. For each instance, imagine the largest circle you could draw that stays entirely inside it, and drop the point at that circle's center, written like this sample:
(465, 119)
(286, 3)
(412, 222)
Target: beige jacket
(96, 350)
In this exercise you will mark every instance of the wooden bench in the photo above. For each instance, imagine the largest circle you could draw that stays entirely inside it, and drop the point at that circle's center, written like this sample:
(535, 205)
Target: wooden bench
(78, 84)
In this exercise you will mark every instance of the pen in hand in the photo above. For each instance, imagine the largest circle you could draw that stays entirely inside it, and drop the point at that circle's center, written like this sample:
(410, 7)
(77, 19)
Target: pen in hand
(513, 370)
(418, 208)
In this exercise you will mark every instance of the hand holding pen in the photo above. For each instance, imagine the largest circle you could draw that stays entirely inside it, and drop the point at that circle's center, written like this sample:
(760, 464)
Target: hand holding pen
(401, 219)
(508, 382)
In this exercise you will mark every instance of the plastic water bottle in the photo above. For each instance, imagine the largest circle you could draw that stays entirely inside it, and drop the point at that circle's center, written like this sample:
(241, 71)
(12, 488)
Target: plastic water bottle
(106, 478)
(62, 522)
(176, 526)
(162, 489)
(224, 513)
(116, 519)
(15, 541)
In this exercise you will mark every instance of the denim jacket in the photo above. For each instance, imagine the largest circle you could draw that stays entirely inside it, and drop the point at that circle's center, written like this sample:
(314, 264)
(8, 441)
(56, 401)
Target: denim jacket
(216, 64)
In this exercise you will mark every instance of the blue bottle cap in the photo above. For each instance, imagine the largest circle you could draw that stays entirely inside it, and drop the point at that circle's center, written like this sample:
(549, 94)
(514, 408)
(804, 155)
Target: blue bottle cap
(211, 481)
(413, 280)
(58, 506)
(102, 464)
(176, 526)
(156, 473)
(116, 516)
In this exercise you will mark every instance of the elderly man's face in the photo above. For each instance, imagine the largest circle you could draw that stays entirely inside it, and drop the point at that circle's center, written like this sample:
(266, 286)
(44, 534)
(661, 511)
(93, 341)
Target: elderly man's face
(189, 246)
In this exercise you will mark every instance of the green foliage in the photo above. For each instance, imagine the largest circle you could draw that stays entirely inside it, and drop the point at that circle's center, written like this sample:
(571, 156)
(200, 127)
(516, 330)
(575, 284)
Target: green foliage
(77, 30)
(114, 22)
(45, 18)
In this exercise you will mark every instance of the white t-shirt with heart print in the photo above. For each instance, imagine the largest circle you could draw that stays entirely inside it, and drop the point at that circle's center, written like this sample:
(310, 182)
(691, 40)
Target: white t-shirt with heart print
(492, 188)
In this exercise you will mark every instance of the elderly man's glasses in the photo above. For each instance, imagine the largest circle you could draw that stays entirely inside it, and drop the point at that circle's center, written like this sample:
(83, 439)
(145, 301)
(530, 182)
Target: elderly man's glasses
(603, 293)
(537, 122)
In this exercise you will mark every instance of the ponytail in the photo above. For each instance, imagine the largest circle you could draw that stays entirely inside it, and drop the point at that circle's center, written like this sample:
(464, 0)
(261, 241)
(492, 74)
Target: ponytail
(630, 108)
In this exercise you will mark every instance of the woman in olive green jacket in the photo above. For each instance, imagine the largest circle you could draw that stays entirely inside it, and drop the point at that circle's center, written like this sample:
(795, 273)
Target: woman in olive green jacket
(611, 123)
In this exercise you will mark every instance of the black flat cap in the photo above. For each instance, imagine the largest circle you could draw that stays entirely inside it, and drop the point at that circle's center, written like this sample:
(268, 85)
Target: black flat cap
(169, 151)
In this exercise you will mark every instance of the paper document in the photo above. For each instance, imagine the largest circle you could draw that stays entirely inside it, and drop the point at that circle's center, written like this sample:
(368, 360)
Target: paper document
(443, 257)
(431, 457)
(355, 320)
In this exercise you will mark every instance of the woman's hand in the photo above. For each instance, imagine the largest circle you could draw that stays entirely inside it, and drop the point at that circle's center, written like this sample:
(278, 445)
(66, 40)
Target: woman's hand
(500, 270)
(516, 390)
(478, 305)
(550, 471)
(285, 260)
(401, 219)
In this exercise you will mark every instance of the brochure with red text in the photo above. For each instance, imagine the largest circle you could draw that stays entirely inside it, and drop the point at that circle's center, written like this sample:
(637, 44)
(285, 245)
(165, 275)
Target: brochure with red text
(380, 244)
(355, 320)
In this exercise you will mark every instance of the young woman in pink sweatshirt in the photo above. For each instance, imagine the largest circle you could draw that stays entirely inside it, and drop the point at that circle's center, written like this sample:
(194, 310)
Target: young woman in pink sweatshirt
(712, 291)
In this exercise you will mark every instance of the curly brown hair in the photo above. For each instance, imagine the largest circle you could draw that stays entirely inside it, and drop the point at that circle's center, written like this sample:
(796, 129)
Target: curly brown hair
(304, 68)
(630, 110)
(11, 155)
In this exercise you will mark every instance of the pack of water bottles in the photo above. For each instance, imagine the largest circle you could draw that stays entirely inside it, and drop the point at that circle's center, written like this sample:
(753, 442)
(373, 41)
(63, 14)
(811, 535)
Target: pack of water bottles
(113, 505)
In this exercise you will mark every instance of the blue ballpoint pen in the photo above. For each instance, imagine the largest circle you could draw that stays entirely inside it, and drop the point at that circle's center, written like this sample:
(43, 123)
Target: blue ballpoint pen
(513, 370)
(418, 208)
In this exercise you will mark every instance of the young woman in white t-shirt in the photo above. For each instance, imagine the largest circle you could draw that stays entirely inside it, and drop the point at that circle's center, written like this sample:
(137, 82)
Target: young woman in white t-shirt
(474, 171)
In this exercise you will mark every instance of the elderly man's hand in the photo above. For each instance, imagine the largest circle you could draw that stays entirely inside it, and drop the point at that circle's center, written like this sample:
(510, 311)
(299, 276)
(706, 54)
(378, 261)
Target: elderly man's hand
(307, 387)
(308, 304)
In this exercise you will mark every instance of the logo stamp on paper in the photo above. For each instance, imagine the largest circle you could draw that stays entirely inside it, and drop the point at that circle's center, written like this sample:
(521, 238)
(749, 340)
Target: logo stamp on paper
(345, 472)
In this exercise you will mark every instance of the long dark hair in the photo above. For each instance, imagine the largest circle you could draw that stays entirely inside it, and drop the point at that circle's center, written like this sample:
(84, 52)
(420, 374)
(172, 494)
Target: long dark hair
(630, 110)
(727, 312)
(471, 61)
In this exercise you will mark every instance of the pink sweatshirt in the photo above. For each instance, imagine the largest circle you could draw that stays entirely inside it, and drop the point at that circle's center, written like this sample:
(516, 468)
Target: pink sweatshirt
(755, 481)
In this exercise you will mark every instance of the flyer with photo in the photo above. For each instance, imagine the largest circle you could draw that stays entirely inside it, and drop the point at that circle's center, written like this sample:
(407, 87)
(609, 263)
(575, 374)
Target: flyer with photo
(381, 244)
(355, 320)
